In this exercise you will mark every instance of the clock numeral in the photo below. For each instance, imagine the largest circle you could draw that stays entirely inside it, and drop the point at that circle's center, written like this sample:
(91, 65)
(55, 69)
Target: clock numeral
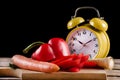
(71, 44)
(90, 56)
(94, 51)
(84, 32)
(74, 38)
(96, 45)
(90, 33)
(78, 33)
(94, 39)
(73, 51)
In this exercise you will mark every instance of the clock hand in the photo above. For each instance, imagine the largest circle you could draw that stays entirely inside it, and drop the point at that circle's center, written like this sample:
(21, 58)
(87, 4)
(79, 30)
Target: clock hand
(87, 42)
(80, 42)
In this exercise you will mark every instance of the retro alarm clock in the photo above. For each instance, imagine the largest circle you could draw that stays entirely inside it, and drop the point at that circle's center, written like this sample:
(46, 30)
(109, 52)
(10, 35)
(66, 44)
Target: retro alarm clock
(88, 36)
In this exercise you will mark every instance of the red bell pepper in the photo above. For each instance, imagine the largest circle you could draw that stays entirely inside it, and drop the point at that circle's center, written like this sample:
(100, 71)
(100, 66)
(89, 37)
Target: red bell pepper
(90, 64)
(60, 47)
(66, 62)
(57, 60)
(55, 48)
(84, 58)
(44, 53)
(73, 69)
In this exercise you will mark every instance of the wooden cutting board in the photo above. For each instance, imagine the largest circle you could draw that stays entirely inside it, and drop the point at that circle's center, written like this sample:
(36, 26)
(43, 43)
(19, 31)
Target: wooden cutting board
(83, 74)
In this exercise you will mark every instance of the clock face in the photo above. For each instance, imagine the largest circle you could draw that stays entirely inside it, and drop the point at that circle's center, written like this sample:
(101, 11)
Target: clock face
(83, 41)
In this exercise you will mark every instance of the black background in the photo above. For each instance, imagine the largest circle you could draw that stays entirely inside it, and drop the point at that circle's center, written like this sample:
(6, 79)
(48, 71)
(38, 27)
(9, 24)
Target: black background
(25, 22)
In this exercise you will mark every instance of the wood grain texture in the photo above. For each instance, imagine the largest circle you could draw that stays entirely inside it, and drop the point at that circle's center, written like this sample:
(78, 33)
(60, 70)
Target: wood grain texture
(114, 74)
(83, 74)
(87, 74)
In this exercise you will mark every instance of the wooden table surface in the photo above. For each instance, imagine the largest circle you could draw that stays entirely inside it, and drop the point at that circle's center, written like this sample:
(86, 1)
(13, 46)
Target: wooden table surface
(115, 73)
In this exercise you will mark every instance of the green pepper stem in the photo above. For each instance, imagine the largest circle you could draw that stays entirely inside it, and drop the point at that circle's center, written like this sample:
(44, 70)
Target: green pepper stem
(37, 43)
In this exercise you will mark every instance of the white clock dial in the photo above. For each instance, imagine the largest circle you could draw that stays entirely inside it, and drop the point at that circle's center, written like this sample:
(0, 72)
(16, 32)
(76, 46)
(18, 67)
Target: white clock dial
(83, 41)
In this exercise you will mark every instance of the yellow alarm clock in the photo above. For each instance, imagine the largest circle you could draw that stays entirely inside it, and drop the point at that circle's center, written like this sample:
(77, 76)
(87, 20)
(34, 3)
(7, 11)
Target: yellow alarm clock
(88, 36)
